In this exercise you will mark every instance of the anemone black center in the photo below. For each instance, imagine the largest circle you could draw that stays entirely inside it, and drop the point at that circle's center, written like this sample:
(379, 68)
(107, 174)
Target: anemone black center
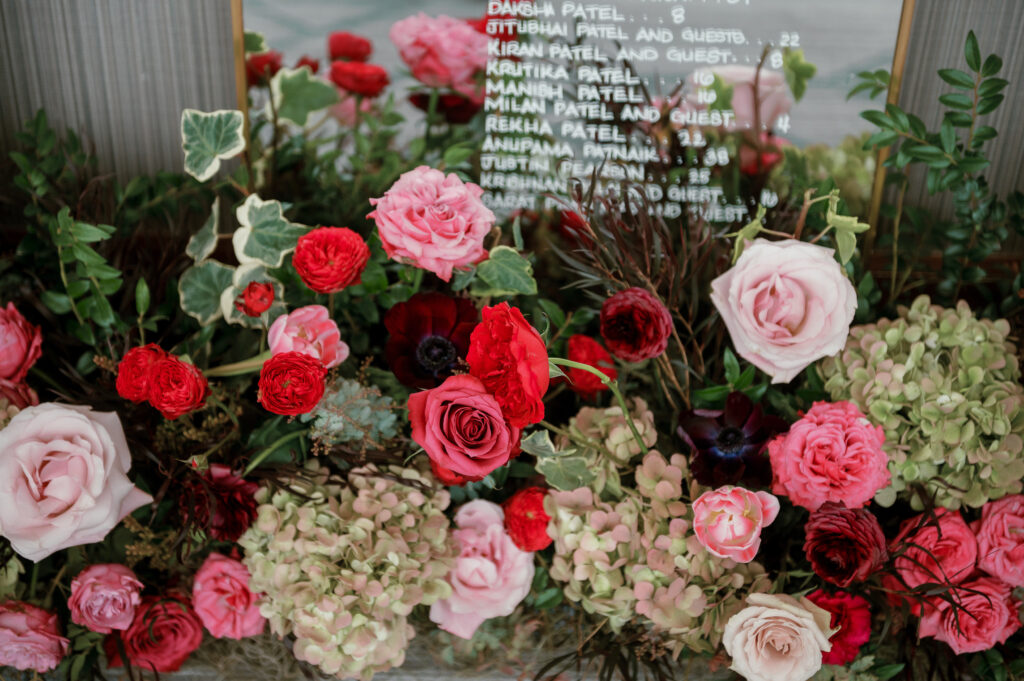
(435, 353)
(730, 440)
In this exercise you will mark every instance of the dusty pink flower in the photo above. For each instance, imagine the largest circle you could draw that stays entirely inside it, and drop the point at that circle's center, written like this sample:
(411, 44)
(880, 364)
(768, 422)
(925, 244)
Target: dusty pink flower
(442, 52)
(29, 638)
(104, 597)
(939, 550)
(20, 344)
(773, 93)
(345, 110)
(728, 521)
(833, 453)
(223, 601)
(986, 616)
(491, 575)
(1001, 539)
(311, 331)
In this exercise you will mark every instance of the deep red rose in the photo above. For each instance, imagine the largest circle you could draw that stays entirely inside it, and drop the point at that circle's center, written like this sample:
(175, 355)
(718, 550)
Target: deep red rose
(219, 502)
(525, 519)
(134, 369)
(330, 258)
(163, 634)
(586, 350)
(844, 545)
(575, 229)
(306, 60)
(447, 477)
(509, 357)
(260, 68)
(635, 325)
(454, 107)
(176, 387)
(255, 299)
(345, 45)
(368, 80)
(852, 614)
(427, 335)
(291, 383)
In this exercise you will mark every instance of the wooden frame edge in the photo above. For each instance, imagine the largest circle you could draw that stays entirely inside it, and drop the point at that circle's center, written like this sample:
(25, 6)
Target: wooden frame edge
(238, 40)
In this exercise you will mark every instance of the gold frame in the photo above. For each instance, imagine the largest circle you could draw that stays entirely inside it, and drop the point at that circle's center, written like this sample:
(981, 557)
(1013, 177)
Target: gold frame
(238, 40)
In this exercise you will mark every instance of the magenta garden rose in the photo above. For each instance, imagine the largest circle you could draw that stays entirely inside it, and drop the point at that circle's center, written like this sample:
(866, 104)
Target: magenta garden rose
(728, 521)
(63, 478)
(29, 638)
(223, 601)
(442, 52)
(104, 597)
(434, 221)
(311, 331)
(786, 304)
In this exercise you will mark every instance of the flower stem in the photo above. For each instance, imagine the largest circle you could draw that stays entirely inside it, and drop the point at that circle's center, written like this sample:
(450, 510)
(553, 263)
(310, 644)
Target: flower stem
(264, 453)
(239, 368)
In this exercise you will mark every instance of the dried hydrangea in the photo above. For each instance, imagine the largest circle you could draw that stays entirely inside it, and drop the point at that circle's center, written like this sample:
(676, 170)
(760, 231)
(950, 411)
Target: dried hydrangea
(342, 566)
(352, 412)
(945, 387)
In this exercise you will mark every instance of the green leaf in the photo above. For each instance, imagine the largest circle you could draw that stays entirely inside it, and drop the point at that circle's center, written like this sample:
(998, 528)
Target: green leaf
(973, 164)
(58, 303)
(209, 137)
(846, 245)
(255, 43)
(265, 236)
(101, 312)
(142, 297)
(956, 100)
(203, 242)
(992, 86)
(957, 78)
(86, 255)
(991, 66)
(971, 51)
(797, 71)
(732, 366)
(548, 598)
(504, 273)
(747, 233)
(989, 104)
(456, 154)
(878, 118)
(200, 289)
(83, 231)
(947, 133)
(566, 472)
(463, 278)
(539, 444)
(297, 94)
(553, 312)
(985, 132)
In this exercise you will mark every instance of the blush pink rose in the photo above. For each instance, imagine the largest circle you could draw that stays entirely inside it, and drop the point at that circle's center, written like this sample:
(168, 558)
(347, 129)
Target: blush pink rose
(20, 344)
(491, 575)
(311, 331)
(773, 94)
(442, 52)
(834, 454)
(1001, 539)
(434, 221)
(223, 601)
(345, 110)
(29, 638)
(786, 304)
(986, 615)
(939, 549)
(104, 597)
(728, 521)
(63, 478)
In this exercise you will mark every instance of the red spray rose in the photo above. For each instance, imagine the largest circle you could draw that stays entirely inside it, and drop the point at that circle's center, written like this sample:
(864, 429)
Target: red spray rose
(844, 545)
(635, 325)
(330, 258)
(134, 369)
(176, 387)
(509, 357)
(219, 502)
(306, 60)
(163, 634)
(345, 45)
(20, 344)
(447, 477)
(255, 299)
(368, 80)
(427, 335)
(852, 614)
(291, 383)
(586, 350)
(984, 616)
(260, 68)
(525, 519)
(454, 107)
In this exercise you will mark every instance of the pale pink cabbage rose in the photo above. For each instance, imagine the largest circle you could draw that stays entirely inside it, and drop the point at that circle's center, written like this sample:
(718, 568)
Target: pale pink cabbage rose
(728, 521)
(63, 478)
(311, 331)
(773, 93)
(434, 221)
(442, 52)
(20, 344)
(786, 304)
(104, 597)
(29, 638)
(223, 601)
(1000, 535)
(777, 638)
(491, 575)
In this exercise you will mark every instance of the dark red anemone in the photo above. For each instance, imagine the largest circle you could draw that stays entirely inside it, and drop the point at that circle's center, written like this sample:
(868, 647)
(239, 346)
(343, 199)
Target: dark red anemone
(428, 335)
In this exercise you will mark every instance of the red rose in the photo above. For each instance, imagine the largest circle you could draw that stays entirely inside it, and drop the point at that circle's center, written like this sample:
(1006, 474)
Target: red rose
(447, 477)
(175, 387)
(255, 299)
(330, 258)
(260, 68)
(586, 350)
(844, 545)
(525, 519)
(509, 358)
(163, 634)
(291, 383)
(635, 325)
(219, 502)
(345, 45)
(454, 107)
(306, 60)
(358, 78)
(134, 369)
(852, 615)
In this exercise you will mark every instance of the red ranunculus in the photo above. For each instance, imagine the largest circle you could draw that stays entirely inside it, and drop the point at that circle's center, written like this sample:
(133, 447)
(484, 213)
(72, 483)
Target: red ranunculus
(255, 299)
(345, 45)
(844, 545)
(291, 383)
(852, 614)
(163, 634)
(329, 259)
(635, 325)
(219, 502)
(586, 350)
(454, 107)
(427, 336)
(525, 519)
(260, 68)
(509, 357)
(306, 60)
(176, 387)
(368, 80)
(134, 369)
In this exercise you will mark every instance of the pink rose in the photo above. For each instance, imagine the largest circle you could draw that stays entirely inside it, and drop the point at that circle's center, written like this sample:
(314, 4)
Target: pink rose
(442, 52)
(434, 221)
(461, 426)
(832, 454)
(491, 575)
(63, 478)
(786, 304)
(311, 331)
(986, 616)
(29, 638)
(20, 344)
(104, 597)
(345, 110)
(223, 601)
(934, 550)
(728, 521)
(1001, 539)
(773, 93)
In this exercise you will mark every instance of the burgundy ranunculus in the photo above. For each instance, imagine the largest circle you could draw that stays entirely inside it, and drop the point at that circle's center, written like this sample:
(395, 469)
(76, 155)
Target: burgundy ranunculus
(635, 325)
(427, 335)
(454, 107)
(219, 502)
(844, 545)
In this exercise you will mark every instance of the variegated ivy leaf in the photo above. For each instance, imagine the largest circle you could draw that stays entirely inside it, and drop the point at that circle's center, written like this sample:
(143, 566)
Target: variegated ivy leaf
(255, 43)
(243, 276)
(265, 236)
(296, 94)
(209, 137)
(504, 273)
(203, 242)
(200, 289)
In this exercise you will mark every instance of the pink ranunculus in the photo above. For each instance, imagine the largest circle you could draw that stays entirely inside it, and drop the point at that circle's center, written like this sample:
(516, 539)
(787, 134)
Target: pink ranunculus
(1001, 539)
(984, 616)
(786, 304)
(773, 93)
(223, 601)
(20, 344)
(434, 221)
(345, 110)
(728, 521)
(104, 597)
(63, 478)
(491, 575)
(934, 550)
(834, 454)
(311, 331)
(29, 638)
(442, 52)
